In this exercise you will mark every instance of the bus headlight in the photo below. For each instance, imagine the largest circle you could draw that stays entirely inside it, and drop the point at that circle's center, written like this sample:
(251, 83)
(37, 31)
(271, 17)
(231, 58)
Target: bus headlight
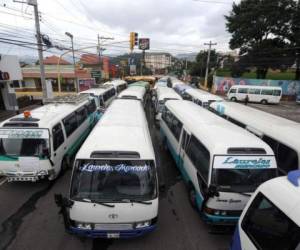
(142, 224)
(82, 225)
(212, 211)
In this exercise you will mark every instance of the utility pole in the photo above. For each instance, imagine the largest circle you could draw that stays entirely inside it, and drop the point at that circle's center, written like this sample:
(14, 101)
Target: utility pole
(39, 43)
(99, 49)
(74, 63)
(207, 63)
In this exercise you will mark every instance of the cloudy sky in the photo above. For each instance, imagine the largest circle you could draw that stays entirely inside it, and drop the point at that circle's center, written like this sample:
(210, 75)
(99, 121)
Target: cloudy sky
(176, 26)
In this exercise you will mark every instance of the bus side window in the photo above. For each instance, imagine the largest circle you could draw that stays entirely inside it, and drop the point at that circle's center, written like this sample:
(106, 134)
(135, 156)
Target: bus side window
(185, 139)
(91, 107)
(268, 227)
(287, 158)
(199, 156)
(276, 92)
(70, 123)
(81, 115)
(236, 122)
(58, 136)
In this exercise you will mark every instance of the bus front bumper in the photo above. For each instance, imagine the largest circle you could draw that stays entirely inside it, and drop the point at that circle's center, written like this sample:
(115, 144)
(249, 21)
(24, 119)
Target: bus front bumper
(220, 220)
(122, 234)
(26, 176)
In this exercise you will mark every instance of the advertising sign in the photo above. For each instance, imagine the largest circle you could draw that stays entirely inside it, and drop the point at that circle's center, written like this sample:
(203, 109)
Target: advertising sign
(86, 83)
(244, 162)
(144, 43)
(10, 69)
(132, 69)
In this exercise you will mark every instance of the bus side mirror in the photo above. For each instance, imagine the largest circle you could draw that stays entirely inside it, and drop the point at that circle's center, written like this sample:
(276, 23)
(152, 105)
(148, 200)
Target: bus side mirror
(62, 201)
(213, 191)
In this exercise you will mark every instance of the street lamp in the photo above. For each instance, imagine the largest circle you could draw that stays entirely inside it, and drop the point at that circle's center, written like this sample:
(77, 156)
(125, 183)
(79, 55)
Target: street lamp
(71, 37)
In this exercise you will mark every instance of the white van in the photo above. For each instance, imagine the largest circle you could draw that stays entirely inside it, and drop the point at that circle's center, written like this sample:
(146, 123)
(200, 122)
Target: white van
(221, 163)
(119, 85)
(104, 94)
(281, 134)
(40, 143)
(114, 188)
(134, 92)
(261, 94)
(164, 94)
(271, 219)
(201, 97)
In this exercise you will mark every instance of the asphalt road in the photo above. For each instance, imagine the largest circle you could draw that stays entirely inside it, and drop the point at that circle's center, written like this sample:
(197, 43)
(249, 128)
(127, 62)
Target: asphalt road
(29, 218)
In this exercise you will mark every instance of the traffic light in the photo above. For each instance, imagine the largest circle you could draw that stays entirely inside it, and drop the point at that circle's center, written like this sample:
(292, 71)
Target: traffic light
(133, 40)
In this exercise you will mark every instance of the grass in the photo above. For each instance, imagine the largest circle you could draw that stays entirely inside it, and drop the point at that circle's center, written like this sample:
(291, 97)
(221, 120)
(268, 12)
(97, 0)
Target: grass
(288, 75)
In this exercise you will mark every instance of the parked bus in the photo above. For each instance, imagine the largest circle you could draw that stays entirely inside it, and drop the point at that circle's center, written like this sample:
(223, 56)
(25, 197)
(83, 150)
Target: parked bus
(39, 143)
(144, 84)
(271, 219)
(134, 92)
(281, 134)
(261, 94)
(119, 85)
(181, 90)
(114, 187)
(221, 163)
(104, 94)
(201, 97)
(163, 95)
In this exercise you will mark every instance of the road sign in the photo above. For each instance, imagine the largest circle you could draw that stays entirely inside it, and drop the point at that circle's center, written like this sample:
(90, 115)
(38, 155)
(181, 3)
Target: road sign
(95, 73)
(144, 43)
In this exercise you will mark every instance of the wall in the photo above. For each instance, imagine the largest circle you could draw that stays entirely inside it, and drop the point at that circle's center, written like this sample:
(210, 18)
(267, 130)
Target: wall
(222, 84)
(9, 96)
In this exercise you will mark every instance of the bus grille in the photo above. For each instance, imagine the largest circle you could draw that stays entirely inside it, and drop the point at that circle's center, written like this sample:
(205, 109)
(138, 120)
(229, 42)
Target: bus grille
(113, 226)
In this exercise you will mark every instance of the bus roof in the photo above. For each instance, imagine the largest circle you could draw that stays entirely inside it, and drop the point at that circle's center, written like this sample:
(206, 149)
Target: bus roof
(203, 95)
(255, 87)
(123, 127)
(284, 130)
(116, 83)
(167, 93)
(286, 196)
(133, 91)
(215, 132)
(97, 91)
(47, 115)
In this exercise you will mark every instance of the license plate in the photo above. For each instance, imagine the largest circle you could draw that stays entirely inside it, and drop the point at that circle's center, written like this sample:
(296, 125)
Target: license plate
(113, 235)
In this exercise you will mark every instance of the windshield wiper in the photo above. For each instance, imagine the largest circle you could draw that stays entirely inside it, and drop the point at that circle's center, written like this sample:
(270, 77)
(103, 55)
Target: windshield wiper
(98, 202)
(238, 192)
(136, 201)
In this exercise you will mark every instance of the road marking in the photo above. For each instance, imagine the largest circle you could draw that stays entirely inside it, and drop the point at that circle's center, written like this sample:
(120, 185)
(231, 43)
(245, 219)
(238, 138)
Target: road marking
(3, 181)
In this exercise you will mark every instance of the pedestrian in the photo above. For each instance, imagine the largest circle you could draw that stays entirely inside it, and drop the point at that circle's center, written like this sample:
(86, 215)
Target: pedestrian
(169, 82)
(246, 99)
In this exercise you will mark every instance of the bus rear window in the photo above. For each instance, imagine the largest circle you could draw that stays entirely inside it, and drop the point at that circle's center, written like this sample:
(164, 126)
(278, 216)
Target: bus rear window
(268, 227)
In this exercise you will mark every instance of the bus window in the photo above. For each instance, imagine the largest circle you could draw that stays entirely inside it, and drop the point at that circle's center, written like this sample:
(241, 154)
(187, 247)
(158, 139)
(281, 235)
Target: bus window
(287, 158)
(236, 122)
(199, 156)
(243, 90)
(232, 91)
(254, 91)
(58, 136)
(268, 227)
(267, 91)
(172, 122)
(276, 92)
(91, 107)
(70, 124)
(81, 115)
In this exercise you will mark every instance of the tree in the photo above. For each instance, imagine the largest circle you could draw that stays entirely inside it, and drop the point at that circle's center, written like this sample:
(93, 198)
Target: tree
(254, 28)
(198, 68)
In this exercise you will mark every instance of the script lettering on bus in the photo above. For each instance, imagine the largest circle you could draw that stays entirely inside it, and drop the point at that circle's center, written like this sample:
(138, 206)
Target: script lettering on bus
(253, 163)
(21, 134)
(118, 168)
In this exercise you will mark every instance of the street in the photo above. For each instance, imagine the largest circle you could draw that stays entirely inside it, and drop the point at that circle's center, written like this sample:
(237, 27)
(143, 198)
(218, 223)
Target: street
(29, 217)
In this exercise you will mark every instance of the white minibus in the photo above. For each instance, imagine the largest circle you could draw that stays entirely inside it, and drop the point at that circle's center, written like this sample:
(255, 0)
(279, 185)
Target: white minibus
(271, 219)
(119, 85)
(104, 94)
(202, 97)
(40, 143)
(134, 92)
(114, 187)
(261, 94)
(281, 134)
(164, 94)
(221, 163)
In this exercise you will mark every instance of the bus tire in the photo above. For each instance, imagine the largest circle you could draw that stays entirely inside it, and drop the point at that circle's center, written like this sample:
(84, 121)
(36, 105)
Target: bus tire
(233, 99)
(192, 197)
(264, 102)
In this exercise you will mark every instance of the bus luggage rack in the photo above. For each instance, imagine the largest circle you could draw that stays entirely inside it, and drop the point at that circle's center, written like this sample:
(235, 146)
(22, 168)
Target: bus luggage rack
(68, 99)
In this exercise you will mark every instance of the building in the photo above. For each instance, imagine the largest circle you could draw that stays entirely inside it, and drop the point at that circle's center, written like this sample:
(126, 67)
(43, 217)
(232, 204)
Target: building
(158, 62)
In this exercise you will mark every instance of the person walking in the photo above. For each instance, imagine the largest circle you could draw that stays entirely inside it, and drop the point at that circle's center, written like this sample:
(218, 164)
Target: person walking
(246, 99)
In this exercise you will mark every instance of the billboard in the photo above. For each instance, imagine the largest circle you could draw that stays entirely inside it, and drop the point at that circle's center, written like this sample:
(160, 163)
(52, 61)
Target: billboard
(85, 83)
(144, 43)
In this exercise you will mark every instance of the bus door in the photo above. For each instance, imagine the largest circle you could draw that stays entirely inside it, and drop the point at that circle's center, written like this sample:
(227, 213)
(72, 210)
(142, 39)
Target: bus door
(181, 157)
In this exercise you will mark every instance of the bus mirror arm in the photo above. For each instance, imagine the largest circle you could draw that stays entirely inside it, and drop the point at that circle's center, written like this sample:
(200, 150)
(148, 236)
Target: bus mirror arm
(64, 203)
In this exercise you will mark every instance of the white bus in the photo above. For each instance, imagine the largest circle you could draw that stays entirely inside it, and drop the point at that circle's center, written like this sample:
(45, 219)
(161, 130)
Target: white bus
(261, 94)
(114, 187)
(104, 94)
(40, 143)
(281, 134)
(164, 94)
(271, 219)
(134, 92)
(201, 97)
(119, 85)
(221, 163)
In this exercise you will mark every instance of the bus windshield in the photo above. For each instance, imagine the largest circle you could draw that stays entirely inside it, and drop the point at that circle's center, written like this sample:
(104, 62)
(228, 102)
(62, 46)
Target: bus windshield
(24, 142)
(114, 180)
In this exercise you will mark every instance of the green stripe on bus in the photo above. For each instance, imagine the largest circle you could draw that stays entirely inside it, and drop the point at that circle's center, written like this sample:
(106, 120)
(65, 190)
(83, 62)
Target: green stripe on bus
(72, 149)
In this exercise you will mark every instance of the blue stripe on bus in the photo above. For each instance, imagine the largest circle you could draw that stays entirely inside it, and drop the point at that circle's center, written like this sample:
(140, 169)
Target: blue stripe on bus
(236, 240)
